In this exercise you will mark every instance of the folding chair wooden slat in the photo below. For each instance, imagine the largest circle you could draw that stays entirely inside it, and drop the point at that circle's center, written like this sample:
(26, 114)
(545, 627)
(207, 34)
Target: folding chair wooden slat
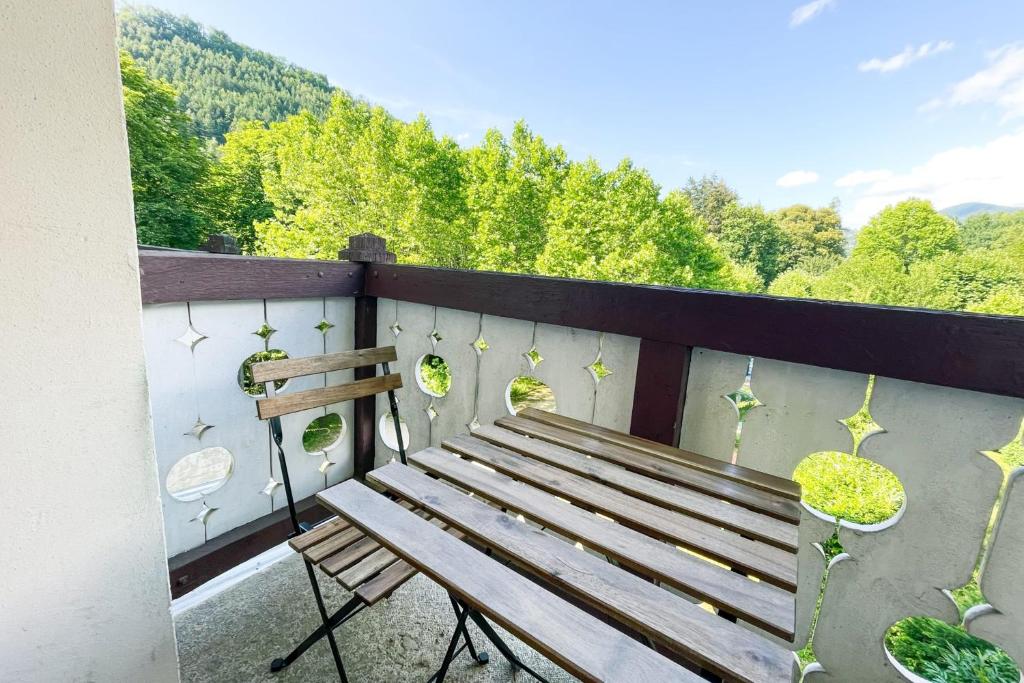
(270, 371)
(315, 398)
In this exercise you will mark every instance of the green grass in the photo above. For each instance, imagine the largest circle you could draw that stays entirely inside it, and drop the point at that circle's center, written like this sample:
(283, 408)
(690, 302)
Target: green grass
(947, 654)
(436, 375)
(322, 433)
(849, 487)
(245, 372)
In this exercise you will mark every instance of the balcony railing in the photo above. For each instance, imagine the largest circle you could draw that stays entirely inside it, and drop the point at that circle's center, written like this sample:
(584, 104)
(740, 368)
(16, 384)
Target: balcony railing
(659, 362)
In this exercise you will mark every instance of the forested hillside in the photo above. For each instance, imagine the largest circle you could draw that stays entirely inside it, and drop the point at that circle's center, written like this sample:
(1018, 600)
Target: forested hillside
(219, 81)
(299, 184)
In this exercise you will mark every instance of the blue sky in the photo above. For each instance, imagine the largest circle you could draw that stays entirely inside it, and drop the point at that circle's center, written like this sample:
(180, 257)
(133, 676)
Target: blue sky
(789, 101)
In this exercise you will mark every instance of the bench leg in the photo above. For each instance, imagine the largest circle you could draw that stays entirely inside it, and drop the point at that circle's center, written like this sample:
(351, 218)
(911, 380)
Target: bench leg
(502, 646)
(460, 626)
(348, 610)
(481, 657)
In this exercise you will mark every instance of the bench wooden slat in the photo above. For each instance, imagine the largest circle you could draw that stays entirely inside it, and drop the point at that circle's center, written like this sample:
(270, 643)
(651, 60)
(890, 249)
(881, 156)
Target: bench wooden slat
(759, 603)
(303, 541)
(372, 564)
(578, 642)
(745, 475)
(733, 652)
(658, 468)
(758, 559)
(341, 561)
(287, 368)
(284, 404)
(385, 583)
(331, 545)
(749, 522)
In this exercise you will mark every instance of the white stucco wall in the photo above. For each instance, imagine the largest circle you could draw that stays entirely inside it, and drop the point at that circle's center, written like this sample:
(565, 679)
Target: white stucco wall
(83, 577)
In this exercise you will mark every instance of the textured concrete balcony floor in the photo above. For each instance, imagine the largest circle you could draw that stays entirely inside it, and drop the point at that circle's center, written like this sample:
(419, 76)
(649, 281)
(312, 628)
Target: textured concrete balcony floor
(234, 635)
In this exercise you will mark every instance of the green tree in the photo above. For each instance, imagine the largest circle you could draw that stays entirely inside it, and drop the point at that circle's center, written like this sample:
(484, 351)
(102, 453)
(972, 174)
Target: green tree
(1004, 301)
(509, 184)
(613, 226)
(710, 195)
(874, 279)
(359, 170)
(984, 230)
(238, 200)
(169, 164)
(810, 233)
(795, 283)
(911, 231)
(750, 235)
(961, 281)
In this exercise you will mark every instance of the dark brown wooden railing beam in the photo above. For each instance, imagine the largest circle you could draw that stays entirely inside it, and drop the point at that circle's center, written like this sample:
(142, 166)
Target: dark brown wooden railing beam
(962, 350)
(171, 275)
(662, 372)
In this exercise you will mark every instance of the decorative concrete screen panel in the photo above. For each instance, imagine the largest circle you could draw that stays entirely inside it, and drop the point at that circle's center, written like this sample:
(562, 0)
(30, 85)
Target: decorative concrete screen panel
(204, 418)
(771, 415)
(583, 374)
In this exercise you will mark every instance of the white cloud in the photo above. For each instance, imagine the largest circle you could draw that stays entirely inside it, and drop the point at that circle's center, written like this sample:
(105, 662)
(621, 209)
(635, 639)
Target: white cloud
(805, 13)
(855, 178)
(908, 56)
(797, 178)
(991, 172)
(1000, 83)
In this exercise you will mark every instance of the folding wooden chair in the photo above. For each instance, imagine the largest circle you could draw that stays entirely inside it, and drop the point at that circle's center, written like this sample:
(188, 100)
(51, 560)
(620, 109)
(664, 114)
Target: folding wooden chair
(341, 551)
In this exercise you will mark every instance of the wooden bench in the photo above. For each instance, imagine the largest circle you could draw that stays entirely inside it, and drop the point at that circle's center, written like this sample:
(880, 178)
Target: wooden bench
(583, 645)
(717, 645)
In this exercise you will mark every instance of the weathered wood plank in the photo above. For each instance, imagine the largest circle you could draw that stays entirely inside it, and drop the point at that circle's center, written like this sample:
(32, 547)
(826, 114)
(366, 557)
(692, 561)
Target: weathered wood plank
(385, 583)
(332, 544)
(658, 468)
(766, 562)
(578, 642)
(759, 603)
(304, 541)
(197, 276)
(284, 404)
(287, 368)
(748, 522)
(744, 475)
(732, 652)
(340, 561)
(374, 563)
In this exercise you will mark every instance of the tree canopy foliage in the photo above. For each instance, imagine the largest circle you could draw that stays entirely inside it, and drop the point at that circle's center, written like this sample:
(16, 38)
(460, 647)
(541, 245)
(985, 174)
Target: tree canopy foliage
(219, 82)
(169, 164)
(316, 165)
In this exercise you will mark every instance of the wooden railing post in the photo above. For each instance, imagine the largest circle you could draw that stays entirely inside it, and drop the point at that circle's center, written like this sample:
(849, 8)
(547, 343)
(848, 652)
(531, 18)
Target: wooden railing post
(365, 248)
(219, 243)
(659, 394)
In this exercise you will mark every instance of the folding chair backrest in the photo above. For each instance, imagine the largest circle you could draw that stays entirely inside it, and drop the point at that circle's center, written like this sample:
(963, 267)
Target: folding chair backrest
(273, 406)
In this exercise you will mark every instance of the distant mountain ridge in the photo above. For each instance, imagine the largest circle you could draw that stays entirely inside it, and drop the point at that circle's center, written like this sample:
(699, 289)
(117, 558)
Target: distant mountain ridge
(219, 81)
(962, 211)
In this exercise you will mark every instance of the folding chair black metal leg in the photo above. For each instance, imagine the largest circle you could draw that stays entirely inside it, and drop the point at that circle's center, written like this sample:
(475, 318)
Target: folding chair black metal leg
(480, 658)
(348, 610)
(502, 646)
(326, 621)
